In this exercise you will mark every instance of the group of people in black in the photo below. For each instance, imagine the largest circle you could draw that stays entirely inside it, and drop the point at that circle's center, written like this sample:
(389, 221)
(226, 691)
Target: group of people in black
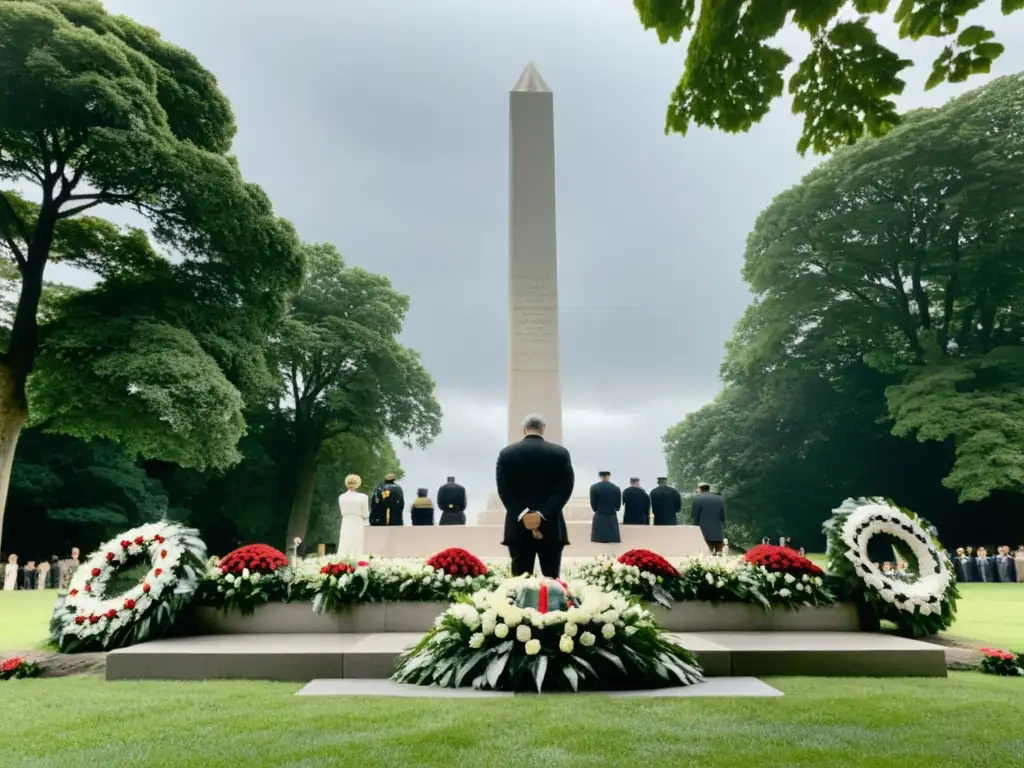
(659, 507)
(980, 566)
(387, 504)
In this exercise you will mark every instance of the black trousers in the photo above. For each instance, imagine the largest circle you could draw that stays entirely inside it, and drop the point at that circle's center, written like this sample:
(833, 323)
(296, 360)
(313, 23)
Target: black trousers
(714, 546)
(525, 554)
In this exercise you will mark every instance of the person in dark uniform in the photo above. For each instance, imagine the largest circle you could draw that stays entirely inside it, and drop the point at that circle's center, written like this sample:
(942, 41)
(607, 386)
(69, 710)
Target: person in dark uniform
(451, 500)
(666, 503)
(387, 503)
(605, 500)
(984, 566)
(636, 504)
(1006, 568)
(421, 511)
(535, 479)
(964, 566)
(709, 513)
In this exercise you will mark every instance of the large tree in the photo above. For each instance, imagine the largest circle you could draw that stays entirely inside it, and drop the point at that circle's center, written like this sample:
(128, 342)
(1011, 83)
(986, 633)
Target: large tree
(96, 110)
(904, 252)
(344, 372)
(845, 84)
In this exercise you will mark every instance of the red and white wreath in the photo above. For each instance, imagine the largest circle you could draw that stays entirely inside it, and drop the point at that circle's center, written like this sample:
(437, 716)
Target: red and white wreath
(90, 618)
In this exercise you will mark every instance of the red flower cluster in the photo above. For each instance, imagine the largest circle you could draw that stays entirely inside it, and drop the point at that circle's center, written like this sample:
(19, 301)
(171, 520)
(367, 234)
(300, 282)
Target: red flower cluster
(995, 653)
(11, 664)
(258, 558)
(781, 559)
(338, 569)
(648, 561)
(457, 562)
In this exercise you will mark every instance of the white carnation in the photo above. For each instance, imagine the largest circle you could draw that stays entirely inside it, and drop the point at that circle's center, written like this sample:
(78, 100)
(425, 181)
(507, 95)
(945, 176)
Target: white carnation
(501, 631)
(523, 633)
(476, 640)
(608, 630)
(570, 629)
(532, 648)
(587, 639)
(565, 644)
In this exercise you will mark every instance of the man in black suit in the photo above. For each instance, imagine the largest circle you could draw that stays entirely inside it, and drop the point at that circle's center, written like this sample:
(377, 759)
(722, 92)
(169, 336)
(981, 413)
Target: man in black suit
(636, 504)
(666, 503)
(709, 514)
(451, 500)
(387, 503)
(605, 500)
(535, 480)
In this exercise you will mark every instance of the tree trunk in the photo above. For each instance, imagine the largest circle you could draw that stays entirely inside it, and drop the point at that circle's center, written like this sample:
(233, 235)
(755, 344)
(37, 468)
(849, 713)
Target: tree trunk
(302, 500)
(13, 415)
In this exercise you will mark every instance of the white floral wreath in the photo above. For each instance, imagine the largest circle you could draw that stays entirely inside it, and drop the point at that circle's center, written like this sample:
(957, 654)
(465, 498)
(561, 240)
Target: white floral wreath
(88, 618)
(873, 516)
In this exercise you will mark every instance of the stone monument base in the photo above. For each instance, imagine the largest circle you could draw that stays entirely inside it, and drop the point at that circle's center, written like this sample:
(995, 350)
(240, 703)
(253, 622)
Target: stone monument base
(576, 511)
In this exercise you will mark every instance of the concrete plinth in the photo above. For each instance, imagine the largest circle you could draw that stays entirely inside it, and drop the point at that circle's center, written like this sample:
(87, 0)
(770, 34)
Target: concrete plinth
(485, 540)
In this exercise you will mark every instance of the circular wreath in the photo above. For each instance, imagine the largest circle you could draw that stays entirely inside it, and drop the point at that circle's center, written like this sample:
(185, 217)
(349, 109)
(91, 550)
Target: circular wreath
(921, 607)
(89, 618)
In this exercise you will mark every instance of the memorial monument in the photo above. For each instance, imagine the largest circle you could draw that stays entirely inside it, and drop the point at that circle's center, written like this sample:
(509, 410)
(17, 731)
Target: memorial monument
(534, 377)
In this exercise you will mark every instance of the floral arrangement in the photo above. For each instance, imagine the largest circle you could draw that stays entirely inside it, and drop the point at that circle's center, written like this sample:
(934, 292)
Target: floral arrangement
(918, 608)
(1006, 663)
(784, 559)
(649, 562)
(88, 618)
(18, 668)
(601, 640)
(246, 578)
(335, 584)
(457, 562)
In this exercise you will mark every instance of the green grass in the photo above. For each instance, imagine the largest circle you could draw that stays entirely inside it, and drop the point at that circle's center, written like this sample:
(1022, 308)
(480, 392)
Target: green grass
(818, 722)
(24, 618)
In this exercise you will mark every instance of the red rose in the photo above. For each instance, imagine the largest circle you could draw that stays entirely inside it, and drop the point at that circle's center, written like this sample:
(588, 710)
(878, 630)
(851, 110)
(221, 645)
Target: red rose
(93, 619)
(110, 556)
(111, 613)
(79, 619)
(129, 603)
(72, 593)
(140, 540)
(158, 571)
(11, 664)
(88, 588)
(159, 539)
(96, 571)
(258, 558)
(325, 569)
(146, 588)
(163, 553)
(125, 544)
(363, 564)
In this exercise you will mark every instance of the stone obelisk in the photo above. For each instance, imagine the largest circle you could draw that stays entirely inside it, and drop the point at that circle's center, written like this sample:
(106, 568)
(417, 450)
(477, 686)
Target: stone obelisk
(534, 380)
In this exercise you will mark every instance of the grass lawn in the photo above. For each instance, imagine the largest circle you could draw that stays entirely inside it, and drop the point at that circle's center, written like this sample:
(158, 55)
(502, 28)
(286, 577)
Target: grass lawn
(24, 619)
(818, 722)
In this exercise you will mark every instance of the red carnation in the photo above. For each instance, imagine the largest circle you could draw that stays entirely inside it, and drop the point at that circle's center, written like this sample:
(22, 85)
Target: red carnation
(140, 540)
(125, 544)
(96, 571)
(163, 553)
(72, 593)
(94, 619)
(110, 556)
(159, 539)
(363, 564)
(650, 562)
(11, 664)
(129, 603)
(79, 619)
(111, 613)
(88, 588)
(158, 571)
(146, 588)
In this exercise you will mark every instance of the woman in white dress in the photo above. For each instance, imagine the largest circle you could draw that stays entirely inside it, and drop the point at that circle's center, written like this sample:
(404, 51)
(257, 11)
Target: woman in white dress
(11, 574)
(355, 509)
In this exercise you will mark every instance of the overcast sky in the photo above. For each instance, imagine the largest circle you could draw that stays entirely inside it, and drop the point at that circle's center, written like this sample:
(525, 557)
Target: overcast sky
(382, 127)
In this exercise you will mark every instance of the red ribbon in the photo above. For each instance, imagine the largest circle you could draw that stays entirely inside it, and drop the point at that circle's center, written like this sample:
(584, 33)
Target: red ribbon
(542, 598)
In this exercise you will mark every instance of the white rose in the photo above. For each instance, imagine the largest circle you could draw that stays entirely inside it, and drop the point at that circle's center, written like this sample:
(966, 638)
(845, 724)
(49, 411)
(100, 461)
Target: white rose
(788, 578)
(255, 578)
(523, 633)
(570, 629)
(784, 592)
(501, 631)
(817, 581)
(229, 578)
(608, 630)
(720, 583)
(710, 578)
(476, 640)
(532, 648)
(245, 574)
(565, 644)
(630, 631)
(587, 639)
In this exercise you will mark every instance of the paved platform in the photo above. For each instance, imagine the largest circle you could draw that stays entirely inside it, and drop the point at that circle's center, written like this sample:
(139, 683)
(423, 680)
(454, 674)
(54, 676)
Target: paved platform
(305, 657)
(713, 687)
(485, 540)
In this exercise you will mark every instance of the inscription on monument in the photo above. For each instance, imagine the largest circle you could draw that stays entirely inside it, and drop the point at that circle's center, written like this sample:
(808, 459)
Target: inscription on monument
(534, 315)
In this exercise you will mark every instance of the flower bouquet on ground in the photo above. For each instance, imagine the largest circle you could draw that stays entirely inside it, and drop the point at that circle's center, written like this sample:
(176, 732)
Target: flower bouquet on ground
(534, 634)
(17, 668)
(246, 578)
(787, 578)
(1006, 663)
(649, 576)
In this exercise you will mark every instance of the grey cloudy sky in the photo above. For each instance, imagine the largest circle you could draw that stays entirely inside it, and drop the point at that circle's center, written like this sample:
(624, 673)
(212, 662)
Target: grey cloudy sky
(382, 127)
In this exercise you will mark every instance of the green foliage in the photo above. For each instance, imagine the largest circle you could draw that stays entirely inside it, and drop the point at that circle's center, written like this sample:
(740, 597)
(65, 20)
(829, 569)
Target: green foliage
(843, 88)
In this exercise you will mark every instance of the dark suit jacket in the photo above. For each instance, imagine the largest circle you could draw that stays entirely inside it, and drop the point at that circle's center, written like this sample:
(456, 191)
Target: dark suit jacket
(636, 506)
(709, 514)
(605, 497)
(451, 497)
(387, 511)
(536, 475)
(666, 504)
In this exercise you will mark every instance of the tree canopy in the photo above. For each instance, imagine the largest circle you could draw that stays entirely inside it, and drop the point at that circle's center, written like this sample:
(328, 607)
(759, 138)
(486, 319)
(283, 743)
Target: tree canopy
(97, 110)
(845, 84)
(887, 304)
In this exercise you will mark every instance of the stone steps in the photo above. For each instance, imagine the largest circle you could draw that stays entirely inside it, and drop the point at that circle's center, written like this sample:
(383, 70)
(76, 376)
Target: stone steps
(305, 657)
